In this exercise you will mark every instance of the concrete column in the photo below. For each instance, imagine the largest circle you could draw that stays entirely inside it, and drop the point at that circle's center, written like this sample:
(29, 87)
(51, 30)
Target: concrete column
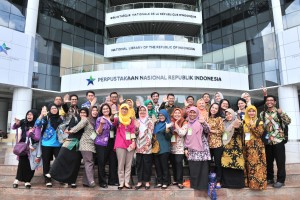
(31, 17)
(277, 15)
(22, 99)
(3, 114)
(289, 103)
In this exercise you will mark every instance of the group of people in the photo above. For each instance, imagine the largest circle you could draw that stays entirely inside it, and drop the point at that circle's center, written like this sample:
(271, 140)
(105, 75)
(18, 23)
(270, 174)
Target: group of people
(239, 146)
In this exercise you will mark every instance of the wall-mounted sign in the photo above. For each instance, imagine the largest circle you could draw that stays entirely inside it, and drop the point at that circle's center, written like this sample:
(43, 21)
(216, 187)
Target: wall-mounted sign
(155, 78)
(153, 14)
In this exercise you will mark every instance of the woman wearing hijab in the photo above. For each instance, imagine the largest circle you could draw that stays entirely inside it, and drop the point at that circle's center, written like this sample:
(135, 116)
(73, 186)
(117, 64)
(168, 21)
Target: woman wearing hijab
(177, 146)
(151, 108)
(67, 164)
(241, 103)
(201, 105)
(131, 108)
(254, 151)
(216, 125)
(217, 98)
(124, 145)
(24, 171)
(50, 143)
(232, 159)
(197, 149)
(163, 132)
(144, 130)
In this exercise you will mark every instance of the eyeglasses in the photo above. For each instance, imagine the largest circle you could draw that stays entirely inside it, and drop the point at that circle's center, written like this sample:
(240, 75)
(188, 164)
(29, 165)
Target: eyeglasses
(83, 112)
(74, 99)
(114, 97)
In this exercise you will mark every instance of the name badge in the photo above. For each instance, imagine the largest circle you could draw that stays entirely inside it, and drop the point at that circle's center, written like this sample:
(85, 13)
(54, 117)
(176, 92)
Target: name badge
(190, 130)
(111, 134)
(247, 136)
(93, 136)
(225, 136)
(128, 136)
(173, 138)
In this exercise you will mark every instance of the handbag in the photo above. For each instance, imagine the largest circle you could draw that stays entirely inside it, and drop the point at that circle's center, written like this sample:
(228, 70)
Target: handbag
(155, 145)
(21, 148)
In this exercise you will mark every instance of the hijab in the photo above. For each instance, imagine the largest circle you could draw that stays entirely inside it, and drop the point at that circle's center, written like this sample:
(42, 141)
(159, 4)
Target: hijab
(143, 122)
(124, 119)
(92, 119)
(249, 102)
(181, 120)
(55, 119)
(131, 109)
(247, 117)
(228, 125)
(27, 124)
(152, 111)
(214, 99)
(194, 141)
(161, 126)
(202, 112)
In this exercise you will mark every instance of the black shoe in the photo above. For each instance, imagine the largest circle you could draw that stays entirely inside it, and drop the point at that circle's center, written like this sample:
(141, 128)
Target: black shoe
(120, 187)
(138, 186)
(113, 184)
(278, 185)
(27, 185)
(147, 187)
(48, 182)
(270, 181)
(158, 186)
(15, 185)
(73, 185)
(174, 183)
(180, 186)
(103, 185)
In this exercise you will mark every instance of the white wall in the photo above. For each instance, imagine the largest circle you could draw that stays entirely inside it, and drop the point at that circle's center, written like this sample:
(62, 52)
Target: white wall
(15, 67)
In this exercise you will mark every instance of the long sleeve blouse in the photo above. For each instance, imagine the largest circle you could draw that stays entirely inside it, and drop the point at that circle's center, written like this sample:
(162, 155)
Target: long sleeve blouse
(177, 140)
(215, 139)
(121, 140)
(143, 142)
(86, 143)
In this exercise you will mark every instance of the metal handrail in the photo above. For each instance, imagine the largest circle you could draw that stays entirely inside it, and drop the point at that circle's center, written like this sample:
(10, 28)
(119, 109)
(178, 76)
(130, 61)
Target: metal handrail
(152, 5)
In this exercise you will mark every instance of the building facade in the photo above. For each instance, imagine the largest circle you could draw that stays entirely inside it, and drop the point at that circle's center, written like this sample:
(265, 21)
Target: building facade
(187, 47)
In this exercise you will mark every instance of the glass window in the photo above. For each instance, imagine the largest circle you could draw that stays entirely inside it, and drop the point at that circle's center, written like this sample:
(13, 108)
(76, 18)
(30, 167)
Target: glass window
(89, 45)
(55, 35)
(52, 83)
(256, 81)
(5, 6)
(269, 47)
(53, 70)
(229, 55)
(238, 25)
(250, 21)
(255, 68)
(43, 30)
(67, 38)
(227, 41)
(251, 32)
(17, 23)
(271, 78)
(240, 51)
(77, 57)
(79, 42)
(218, 56)
(138, 38)
(239, 37)
(4, 19)
(270, 65)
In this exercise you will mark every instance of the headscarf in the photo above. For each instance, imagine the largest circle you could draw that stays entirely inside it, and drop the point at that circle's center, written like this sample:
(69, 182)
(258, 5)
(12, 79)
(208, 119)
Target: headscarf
(55, 119)
(27, 124)
(181, 120)
(161, 126)
(152, 111)
(228, 125)
(143, 125)
(202, 112)
(214, 99)
(247, 117)
(249, 102)
(131, 109)
(124, 119)
(92, 119)
(194, 141)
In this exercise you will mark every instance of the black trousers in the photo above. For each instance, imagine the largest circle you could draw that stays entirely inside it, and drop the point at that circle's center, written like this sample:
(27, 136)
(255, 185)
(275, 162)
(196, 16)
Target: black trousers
(111, 156)
(162, 168)
(101, 154)
(144, 167)
(177, 167)
(216, 153)
(47, 156)
(276, 152)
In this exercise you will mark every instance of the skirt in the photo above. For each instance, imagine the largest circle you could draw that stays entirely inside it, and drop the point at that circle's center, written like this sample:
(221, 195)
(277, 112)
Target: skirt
(199, 174)
(233, 178)
(24, 172)
(66, 166)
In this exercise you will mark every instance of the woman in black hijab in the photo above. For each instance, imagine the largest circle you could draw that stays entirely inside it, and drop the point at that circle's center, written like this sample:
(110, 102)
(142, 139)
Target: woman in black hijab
(24, 172)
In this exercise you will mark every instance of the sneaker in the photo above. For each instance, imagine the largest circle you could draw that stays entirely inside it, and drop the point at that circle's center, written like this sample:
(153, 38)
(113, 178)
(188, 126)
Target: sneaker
(27, 185)
(16, 183)
(278, 185)
(48, 182)
(73, 185)
(270, 181)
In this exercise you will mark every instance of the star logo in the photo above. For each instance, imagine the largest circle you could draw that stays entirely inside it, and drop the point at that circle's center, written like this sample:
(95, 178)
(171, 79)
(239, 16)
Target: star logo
(4, 48)
(90, 80)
